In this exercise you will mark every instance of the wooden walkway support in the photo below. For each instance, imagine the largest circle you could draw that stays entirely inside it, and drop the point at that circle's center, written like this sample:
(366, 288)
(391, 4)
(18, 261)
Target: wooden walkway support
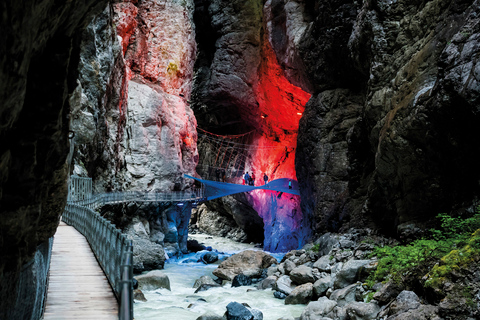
(78, 288)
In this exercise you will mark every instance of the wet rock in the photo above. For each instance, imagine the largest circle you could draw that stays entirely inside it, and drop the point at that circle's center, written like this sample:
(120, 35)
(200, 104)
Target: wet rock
(237, 311)
(284, 284)
(350, 272)
(318, 309)
(267, 283)
(362, 311)
(405, 301)
(210, 257)
(138, 295)
(204, 280)
(323, 264)
(423, 312)
(345, 296)
(194, 245)
(206, 286)
(210, 316)
(321, 286)
(147, 255)
(241, 280)
(387, 293)
(250, 263)
(153, 280)
(302, 274)
(288, 266)
(279, 295)
(300, 295)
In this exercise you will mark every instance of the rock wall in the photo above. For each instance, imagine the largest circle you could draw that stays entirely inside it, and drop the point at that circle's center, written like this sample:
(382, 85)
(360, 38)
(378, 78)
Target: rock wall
(135, 130)
(241, 86)
(389, 135)
(133, 127)
(39, 55)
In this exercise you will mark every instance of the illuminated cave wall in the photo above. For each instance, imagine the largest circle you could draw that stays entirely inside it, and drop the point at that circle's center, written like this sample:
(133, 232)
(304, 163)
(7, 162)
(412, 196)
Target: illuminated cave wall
(262, 98)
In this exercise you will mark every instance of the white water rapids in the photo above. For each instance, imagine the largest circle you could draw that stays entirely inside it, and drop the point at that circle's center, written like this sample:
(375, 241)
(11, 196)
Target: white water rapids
(181, 303)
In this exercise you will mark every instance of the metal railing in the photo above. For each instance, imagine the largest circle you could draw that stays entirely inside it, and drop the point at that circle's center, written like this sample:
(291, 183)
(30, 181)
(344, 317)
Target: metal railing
(112, 249)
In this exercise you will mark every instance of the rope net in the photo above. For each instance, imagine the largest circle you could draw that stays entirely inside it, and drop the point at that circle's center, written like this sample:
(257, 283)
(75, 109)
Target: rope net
(223, 157)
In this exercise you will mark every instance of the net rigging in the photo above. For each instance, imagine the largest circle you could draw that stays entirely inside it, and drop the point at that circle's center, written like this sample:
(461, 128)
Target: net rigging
(223, 157)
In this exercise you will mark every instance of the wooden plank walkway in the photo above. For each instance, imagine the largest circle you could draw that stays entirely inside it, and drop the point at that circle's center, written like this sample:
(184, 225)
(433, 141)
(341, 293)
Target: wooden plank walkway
(78, 288)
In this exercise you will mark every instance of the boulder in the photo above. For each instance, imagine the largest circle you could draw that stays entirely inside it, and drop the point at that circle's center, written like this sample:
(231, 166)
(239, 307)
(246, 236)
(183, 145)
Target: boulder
(321, 286)
(288, 266)
(284, 285)
(387, 293)
(267, 283)
(205, 287)
(138, 295)
(350, 272)
(241, 280)
(210, 257)
(301, 294)
(204, 280)
(345, 296)
(423, 312)
(302, 274)
(147, 255)
(250, 263)
(362, 311)
(323, 264)
(194, 246)
(405, 301)
(317, 310)
(237, 311)
(153, 280)
(279, 295)
(210, 316)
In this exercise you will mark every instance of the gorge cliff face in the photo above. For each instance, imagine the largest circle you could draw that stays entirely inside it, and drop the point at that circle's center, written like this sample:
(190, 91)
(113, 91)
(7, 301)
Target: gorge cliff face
(389, 134)
(135, 130)
(242, 89)
(39, 54)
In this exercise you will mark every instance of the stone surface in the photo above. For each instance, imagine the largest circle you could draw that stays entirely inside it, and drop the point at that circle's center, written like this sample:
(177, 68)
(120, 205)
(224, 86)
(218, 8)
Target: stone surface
(239, 78)
(37, 76)
(345, 296)
(210, 316)
(153, 280)
(381, 134)
(387, 293)
(206, 286)
(267, 283)
(316, 310)
(362, 311)
(241, 280)
(405, 301)
(302, 274)
(284, 284)
(237, 311)
(350, 273)
(138, 295)
(210, 257)
(203, 280)
(321, 285)
(250, 263)
(300, 295)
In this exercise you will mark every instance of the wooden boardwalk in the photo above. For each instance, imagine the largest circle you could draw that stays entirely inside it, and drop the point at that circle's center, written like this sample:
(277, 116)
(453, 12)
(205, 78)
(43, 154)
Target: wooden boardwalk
(78, 288)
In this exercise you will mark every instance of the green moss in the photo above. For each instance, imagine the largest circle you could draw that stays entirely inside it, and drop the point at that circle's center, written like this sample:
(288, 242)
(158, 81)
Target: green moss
(455, 260)
(450, 248)
(316, 248)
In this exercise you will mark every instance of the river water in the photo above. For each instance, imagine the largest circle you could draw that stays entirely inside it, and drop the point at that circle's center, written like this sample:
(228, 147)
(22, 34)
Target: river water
(182, 303)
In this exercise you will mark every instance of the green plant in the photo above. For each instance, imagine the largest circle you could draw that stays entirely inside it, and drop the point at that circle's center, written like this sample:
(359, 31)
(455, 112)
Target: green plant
(369, 296)
(414, 260)
(316, 247)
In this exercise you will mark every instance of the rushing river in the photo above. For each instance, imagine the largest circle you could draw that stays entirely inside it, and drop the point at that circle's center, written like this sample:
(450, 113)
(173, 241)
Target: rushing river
(181, 303)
